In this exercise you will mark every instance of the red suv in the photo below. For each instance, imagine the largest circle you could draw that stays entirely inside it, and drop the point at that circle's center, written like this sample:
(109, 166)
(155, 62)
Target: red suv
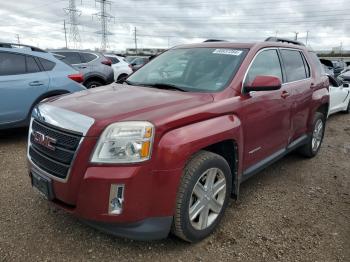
(165, 150)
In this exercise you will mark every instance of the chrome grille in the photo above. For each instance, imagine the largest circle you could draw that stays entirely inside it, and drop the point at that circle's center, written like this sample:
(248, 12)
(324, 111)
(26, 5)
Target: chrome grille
(55, 161)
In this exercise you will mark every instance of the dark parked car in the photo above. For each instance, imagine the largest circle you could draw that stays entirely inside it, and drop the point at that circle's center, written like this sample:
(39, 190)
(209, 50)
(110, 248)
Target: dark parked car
(138, 62)
(95, 67)
(338, 66)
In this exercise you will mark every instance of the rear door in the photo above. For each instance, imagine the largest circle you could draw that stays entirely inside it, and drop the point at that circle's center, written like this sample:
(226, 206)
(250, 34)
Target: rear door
(21, 83)
(87, 62)
(298, 85)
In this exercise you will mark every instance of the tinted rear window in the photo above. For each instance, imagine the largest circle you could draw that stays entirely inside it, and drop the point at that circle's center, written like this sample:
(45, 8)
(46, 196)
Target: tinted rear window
(294, 65)
(12, 64)
(70, 57)
(87, 57)
(113, 59)
(47, 65)
(32, 66)
(319, 68)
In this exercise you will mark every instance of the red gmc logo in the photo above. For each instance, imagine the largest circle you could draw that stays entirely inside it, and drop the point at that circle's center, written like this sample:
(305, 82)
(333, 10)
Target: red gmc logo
(43, 140)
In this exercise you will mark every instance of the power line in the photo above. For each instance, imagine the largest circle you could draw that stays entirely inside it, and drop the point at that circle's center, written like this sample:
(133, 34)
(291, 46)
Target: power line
(104, 17)
(73, 13)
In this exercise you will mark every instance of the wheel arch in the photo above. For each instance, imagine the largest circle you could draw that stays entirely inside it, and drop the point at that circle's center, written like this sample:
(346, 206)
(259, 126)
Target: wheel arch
(221, 135)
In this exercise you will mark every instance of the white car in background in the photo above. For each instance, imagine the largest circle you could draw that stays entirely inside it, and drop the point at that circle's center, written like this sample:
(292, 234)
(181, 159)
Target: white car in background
(120, 67)
(339, 93)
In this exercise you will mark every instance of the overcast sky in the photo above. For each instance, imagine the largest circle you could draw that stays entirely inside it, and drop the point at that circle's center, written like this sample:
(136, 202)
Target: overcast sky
(163, 24)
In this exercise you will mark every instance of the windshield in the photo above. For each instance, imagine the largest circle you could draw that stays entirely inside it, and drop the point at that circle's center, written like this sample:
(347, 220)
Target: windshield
(191, 69)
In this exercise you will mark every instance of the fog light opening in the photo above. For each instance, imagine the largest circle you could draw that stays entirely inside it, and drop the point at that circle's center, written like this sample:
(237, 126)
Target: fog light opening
(116, 199)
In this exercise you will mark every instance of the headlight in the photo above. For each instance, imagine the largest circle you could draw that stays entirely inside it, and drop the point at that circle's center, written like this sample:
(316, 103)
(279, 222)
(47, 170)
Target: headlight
(125, 142)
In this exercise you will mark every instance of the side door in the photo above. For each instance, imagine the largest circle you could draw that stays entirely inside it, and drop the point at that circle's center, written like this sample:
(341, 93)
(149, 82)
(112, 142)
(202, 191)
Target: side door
(265, 114)
(298, 85)
(21, 83)
(87, 65)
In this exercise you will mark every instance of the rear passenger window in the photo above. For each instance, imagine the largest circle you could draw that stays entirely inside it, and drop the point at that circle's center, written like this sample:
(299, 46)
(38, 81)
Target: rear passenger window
(70, 57)
(265, 63)
(46, 64)
(87, 57)
(32, 66)
(12, 64)
(317, 62)
(294, 65)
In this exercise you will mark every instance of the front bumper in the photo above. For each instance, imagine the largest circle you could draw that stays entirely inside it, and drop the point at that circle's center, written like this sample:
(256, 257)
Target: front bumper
(149, 229)
(148, 207)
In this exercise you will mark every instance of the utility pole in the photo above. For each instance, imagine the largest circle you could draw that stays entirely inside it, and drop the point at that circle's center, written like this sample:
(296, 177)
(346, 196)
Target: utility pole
(18, 42)
(65, 33)
(135, 38)
(307, 37)
(276, 33)
(104, 17)
(73, 13)
(296, 36)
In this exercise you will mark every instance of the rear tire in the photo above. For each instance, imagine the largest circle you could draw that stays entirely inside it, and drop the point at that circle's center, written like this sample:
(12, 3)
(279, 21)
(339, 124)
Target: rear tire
(121, 77)
(203, 195)
(93, 84)
(311, 148)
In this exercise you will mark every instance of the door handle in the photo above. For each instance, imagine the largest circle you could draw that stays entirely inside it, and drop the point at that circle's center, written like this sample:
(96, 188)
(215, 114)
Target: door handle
(285, 94)
(82, 67)
(36, 83)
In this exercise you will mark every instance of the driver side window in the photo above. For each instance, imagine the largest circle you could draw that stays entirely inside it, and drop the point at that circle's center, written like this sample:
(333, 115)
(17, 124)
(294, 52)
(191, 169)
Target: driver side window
(265, 63)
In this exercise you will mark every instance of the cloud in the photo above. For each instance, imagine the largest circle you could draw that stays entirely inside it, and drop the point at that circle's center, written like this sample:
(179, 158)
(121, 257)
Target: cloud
(164, 24)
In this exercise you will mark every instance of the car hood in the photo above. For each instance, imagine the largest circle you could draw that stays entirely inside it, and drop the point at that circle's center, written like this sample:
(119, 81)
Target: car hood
(118, 102)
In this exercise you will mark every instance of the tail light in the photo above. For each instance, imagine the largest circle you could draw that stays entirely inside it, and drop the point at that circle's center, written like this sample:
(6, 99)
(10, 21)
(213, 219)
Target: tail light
(107, 62)
(129, 66)
(77, 77)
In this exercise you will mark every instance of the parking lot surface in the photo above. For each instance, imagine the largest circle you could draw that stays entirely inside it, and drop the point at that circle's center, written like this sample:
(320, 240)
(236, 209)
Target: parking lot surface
(296, 210)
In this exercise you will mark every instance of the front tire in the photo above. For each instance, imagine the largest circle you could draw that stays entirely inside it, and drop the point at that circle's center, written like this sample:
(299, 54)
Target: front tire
(311, 148)
(202, 197)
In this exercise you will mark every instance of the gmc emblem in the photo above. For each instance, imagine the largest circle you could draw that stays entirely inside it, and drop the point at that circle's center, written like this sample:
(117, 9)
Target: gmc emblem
(43, 140)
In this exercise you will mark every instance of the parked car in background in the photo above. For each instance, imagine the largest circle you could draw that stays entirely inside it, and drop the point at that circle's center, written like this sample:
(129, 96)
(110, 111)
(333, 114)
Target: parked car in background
(166, 151)
(338, 66)
(27, 76)
(138, 62)
(120, 67)
(339, 96)
(345, 77)
(95, 67)
(327, 66)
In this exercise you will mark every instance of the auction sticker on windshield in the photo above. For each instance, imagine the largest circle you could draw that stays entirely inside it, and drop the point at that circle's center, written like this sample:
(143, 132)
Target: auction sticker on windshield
(228, 52)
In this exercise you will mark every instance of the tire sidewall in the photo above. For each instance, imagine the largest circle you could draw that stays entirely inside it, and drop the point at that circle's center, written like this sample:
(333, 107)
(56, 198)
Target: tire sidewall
(190, 232)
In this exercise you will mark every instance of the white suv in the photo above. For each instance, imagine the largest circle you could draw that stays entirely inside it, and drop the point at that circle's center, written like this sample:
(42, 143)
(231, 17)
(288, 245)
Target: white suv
(120, 67)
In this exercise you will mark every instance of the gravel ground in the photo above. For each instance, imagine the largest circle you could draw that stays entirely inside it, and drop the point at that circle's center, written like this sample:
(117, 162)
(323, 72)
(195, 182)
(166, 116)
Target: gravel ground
(295, 210)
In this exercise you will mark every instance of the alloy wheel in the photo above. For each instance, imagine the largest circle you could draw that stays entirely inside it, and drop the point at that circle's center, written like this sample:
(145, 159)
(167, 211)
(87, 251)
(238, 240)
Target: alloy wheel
(207, 198)
(317, 135)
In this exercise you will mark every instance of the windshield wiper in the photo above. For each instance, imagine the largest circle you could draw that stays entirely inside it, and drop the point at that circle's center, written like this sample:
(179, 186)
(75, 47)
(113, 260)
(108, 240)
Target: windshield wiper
(166, 86)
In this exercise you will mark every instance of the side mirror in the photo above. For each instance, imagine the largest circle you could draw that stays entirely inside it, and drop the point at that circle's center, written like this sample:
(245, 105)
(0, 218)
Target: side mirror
(263, 83)
(346, 85)
(133, 64)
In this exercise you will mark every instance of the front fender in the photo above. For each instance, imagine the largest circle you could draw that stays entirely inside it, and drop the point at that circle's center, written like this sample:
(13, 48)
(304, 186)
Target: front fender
(178, 145)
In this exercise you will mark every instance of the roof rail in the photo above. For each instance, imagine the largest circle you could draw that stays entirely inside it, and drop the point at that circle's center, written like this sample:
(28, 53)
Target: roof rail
(283, 40)
(12, 45)
(214, 40)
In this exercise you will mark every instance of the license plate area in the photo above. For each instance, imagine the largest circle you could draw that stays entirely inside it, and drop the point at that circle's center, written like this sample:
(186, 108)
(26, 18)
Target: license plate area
(43, 185)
